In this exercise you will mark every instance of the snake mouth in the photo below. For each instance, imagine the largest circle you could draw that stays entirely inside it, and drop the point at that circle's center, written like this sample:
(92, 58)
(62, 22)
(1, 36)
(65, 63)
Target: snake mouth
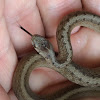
(33, 44)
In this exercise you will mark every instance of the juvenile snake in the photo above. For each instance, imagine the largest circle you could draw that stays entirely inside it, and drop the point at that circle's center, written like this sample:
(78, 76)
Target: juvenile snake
(62, 63)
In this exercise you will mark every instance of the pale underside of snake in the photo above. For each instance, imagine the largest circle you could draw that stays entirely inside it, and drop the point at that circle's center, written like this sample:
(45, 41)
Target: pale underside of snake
(63, 64)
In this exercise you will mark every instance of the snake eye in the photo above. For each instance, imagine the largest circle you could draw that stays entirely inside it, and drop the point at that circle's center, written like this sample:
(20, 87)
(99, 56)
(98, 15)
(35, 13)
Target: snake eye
(43, 45)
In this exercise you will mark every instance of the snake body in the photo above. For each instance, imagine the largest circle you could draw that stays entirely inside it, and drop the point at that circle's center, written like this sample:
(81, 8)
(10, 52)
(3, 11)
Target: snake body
(62, 63)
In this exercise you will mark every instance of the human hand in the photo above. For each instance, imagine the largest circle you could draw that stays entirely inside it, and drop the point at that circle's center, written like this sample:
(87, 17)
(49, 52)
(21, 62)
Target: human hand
(16, 43)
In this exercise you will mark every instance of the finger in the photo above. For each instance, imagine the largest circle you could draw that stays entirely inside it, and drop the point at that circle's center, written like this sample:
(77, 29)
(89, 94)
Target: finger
(42, 78)
(3, 94)
(7, 54)
(52, 13)
(27, 15)
(43, 82)
(91, 6)
(85, 42)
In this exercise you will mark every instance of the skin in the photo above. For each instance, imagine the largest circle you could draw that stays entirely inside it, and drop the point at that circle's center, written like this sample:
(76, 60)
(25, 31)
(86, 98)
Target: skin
(10, 30)
(62, 63)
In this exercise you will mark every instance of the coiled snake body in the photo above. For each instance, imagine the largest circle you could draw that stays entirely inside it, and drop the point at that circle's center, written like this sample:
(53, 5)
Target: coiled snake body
(90, 78)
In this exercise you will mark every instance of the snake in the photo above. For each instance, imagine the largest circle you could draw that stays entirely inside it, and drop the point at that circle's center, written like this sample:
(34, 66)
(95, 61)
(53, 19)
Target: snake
(87, 81)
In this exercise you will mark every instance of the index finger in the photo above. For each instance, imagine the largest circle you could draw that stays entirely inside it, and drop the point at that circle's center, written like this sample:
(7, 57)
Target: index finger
(8, 57)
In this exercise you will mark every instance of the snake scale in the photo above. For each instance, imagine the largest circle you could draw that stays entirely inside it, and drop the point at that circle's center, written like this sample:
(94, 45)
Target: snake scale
(87, 80)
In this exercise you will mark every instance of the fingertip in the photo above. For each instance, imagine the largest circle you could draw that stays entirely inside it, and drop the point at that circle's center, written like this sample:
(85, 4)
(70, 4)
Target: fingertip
(91, 6)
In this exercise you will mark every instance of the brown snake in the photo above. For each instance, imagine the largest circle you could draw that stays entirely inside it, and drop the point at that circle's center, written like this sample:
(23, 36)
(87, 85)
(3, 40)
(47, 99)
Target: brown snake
(62, 63)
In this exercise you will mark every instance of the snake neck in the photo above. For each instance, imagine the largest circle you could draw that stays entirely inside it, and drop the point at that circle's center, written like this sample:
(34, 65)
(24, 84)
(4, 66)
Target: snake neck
(55, 59)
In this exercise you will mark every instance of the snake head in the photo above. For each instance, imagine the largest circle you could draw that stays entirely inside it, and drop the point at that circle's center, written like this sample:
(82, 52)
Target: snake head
(42, 46)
